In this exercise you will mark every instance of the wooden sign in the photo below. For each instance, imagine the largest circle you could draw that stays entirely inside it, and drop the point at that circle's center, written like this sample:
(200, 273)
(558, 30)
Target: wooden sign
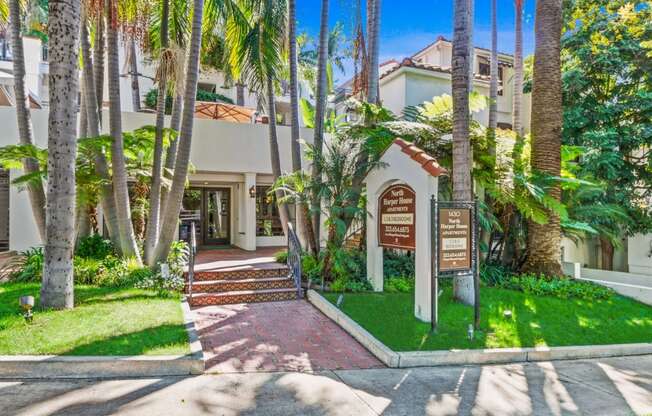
(455, 239)
(396, 216)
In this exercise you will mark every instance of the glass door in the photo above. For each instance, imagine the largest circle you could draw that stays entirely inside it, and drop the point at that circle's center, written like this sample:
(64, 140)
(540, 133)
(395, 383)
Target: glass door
(217, 216)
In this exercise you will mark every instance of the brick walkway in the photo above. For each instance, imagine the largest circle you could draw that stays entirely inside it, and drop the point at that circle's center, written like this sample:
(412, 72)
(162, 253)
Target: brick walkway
(276, 336)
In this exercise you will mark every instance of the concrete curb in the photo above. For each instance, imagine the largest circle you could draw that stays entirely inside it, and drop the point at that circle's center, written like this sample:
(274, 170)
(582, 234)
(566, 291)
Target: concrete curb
(57, 366)
(461, 357)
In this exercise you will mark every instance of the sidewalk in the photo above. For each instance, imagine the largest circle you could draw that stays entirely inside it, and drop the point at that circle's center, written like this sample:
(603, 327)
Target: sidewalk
(616, 386)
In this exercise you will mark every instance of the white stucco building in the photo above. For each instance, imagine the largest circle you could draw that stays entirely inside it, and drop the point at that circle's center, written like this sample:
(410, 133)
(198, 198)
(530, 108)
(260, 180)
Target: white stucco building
(413, 80)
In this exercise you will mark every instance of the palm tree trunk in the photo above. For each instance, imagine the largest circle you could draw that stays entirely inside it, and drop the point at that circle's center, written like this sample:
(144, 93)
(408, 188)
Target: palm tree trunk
(63, 30)
(83, 119)
(171, 154)
(462, 186)
(120, 191)
(157, 168)
(518, 69)
(544, 240)
(493, 85)
(25, 134)
(133, 69)
(273, 147)
(320, 111)
(607, 252)
(301, 218)
(373, 95)
(170, 217)
(240, 94)
(93, 130)
(98, 58)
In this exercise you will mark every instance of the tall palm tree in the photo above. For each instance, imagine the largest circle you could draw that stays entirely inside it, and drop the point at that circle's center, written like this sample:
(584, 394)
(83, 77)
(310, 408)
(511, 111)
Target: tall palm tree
(133, 70)
(63, 31)
(374, 51)
(544, 240)
(461, 178)
(25, 134)
(92, 119)
(493, 85)
(170, 217)
(518, 68)
(320, 111)
(98, 56)
(294, 112)
(157, 169)
(128, 243)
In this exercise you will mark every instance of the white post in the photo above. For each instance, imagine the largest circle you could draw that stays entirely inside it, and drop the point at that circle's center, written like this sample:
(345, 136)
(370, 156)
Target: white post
(374, 251)
(249, 213)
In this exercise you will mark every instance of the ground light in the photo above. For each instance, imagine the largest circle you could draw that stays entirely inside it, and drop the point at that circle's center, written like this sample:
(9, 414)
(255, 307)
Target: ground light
(26, 304)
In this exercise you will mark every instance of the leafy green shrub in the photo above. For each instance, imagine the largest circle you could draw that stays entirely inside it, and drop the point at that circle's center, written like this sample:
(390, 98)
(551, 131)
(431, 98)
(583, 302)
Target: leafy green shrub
(32, 266)
(86, 270)
(494, 274)
(95, 247)
(399, 284)
(564, 288)
(310, 268)
(281, 256)
(342, 284)
(396, 264)
(178, 257)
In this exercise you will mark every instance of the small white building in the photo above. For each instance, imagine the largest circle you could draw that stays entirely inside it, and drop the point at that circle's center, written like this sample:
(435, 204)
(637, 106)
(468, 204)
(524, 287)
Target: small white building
(227, 198)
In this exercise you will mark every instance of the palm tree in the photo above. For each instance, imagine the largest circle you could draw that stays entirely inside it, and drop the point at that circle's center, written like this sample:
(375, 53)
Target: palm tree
(157, 169)
(374, 50)
(132, 58)
(128, 243)
(25, 134)
(301, 218)
(63, 31)
(544, 240)
(98, 57)
(518, 68)
(320, 111)
(493, 86)
(170, 217)
(461, 178)
(92, 124)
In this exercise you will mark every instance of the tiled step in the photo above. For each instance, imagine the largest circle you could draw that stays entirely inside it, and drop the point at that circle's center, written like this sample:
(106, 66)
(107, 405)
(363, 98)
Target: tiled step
(221, 286)
(240, 274)
(242, 296)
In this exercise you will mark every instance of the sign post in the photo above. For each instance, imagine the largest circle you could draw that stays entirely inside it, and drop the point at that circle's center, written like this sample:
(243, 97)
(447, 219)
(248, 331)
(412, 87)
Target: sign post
(454, 248)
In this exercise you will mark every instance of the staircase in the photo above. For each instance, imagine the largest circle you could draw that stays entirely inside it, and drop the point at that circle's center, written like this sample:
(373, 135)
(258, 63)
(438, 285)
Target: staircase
(241, 286)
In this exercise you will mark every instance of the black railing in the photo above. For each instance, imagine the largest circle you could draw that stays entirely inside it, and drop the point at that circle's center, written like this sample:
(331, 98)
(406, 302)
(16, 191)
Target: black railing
(192, 251)
(294, 258)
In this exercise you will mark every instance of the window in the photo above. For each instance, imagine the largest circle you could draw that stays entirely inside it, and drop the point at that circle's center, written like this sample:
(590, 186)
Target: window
(268, 221)
(484, 68)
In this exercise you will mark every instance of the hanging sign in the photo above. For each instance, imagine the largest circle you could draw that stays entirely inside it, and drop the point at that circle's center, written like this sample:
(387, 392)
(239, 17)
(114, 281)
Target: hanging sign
(396, 216)
(455, 239)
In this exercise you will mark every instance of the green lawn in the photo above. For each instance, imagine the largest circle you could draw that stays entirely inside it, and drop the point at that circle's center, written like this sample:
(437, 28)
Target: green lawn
(537, 321)
(105, 321)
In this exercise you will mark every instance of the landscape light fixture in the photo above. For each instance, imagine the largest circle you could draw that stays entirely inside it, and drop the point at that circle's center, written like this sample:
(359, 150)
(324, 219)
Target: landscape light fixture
(26, 304)
(252, 191)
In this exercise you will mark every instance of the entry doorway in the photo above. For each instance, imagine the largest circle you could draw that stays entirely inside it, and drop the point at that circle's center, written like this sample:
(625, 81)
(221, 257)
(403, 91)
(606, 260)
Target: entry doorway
(210, 210)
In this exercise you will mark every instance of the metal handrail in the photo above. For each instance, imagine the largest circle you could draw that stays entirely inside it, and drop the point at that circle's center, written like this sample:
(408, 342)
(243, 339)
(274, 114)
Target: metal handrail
(191, 258)
(294, 258)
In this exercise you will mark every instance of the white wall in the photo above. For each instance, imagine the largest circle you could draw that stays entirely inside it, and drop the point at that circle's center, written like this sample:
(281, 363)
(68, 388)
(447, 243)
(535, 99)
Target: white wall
(639, 250)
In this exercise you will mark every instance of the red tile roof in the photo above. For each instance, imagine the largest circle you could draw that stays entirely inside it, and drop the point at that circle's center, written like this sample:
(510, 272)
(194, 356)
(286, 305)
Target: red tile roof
(427, 162)
(409, 63)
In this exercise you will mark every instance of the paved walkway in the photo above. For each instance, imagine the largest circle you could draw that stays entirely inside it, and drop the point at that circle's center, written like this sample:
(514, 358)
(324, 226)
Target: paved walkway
(613, 387)
(276, 336)
(228, 259)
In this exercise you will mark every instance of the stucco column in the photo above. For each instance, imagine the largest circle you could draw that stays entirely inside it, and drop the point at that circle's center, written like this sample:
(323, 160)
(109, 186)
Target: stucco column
(374, 252)
(249, 219)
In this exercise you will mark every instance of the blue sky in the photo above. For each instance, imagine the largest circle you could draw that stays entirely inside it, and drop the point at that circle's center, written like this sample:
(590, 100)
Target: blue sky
(409, 25)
